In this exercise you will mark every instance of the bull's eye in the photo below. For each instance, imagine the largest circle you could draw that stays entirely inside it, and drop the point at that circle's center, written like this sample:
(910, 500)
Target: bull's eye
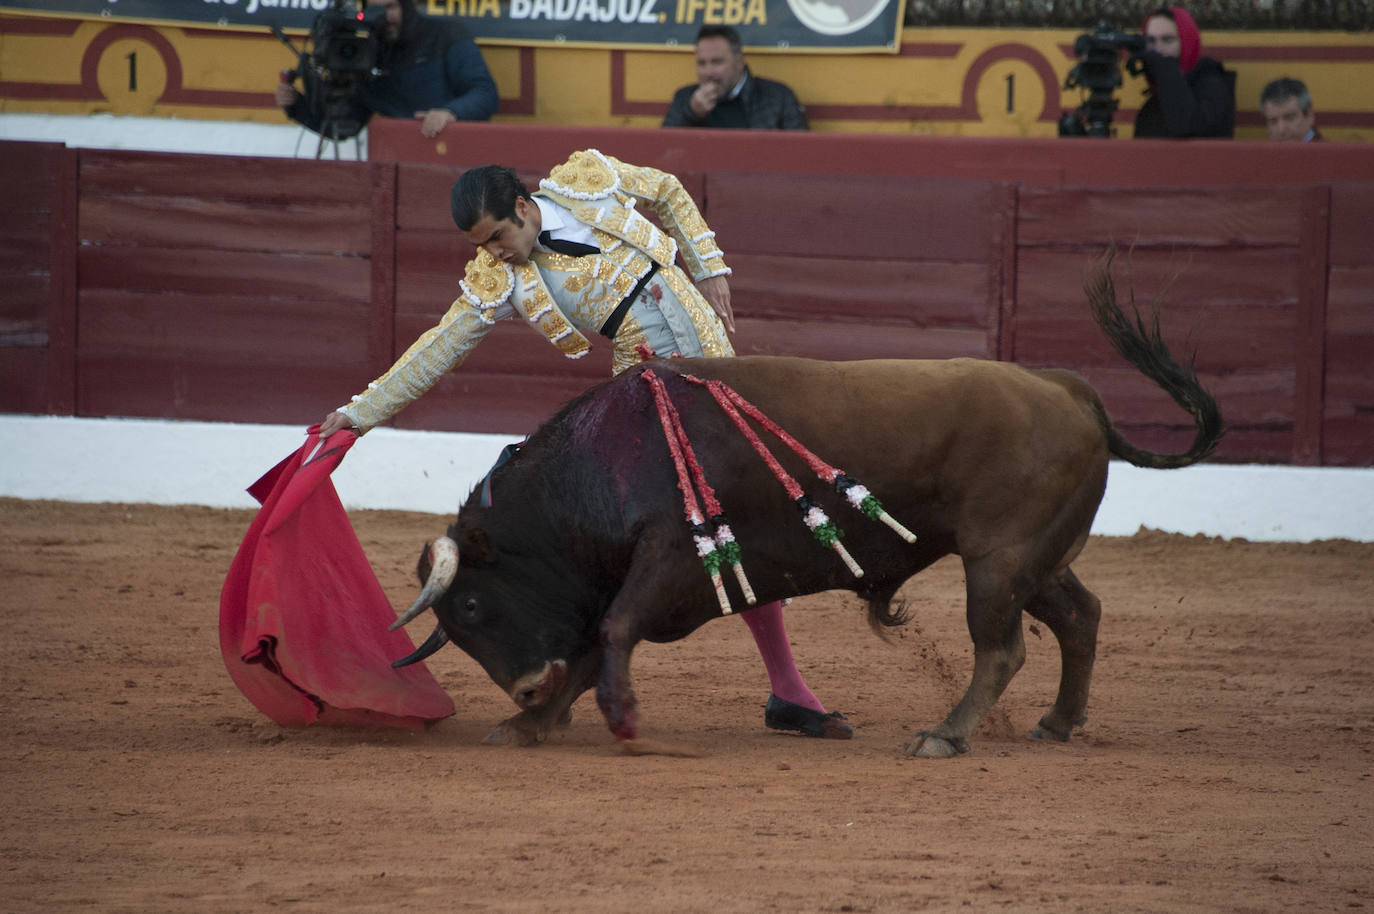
(470, 609)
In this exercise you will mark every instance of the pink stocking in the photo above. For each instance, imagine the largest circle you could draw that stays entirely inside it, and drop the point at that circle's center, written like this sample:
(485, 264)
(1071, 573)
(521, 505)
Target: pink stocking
(765, 623)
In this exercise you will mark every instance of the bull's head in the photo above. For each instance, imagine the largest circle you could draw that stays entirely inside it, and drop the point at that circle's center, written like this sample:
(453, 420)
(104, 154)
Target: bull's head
(494, 615)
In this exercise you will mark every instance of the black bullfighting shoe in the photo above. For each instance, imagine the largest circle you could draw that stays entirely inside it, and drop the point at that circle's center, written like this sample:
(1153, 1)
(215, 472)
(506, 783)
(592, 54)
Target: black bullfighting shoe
(783, 715)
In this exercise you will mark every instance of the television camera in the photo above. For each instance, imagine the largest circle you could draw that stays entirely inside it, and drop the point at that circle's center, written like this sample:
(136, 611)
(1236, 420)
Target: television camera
(342, 56)
(1098, 72)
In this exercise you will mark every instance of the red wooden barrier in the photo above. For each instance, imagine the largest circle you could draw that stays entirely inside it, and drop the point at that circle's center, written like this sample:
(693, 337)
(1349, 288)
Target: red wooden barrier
(37, 290)
(1027, 161)
(1347, 415)
(225, 288)
(1237, 231)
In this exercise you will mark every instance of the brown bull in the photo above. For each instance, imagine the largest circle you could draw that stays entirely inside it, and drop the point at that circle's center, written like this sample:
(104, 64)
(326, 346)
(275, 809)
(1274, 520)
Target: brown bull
(583, 550)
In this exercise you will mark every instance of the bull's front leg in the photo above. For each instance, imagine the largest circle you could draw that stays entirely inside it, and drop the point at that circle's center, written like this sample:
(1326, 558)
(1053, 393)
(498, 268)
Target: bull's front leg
(615, 696)
(620, 632)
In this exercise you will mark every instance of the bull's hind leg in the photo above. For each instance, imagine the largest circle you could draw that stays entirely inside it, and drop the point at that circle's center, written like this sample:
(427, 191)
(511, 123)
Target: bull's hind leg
(1072, 612)
(994, 622)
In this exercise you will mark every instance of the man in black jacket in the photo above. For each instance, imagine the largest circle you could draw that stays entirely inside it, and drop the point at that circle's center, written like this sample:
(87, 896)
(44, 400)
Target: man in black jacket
(1190, 95)
(728, 95)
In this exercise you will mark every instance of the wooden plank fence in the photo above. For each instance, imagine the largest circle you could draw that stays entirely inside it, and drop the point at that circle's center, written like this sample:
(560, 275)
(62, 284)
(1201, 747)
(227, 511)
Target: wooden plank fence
(263, 290)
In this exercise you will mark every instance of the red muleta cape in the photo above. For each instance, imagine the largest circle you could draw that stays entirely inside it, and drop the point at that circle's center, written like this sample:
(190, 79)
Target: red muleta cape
(302, 621)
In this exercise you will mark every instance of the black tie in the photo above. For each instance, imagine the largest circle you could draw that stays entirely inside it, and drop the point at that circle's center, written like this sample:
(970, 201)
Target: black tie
(571, 248)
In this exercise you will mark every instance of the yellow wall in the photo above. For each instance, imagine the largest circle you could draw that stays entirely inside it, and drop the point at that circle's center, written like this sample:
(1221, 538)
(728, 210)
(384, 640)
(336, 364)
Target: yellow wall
(74, 67)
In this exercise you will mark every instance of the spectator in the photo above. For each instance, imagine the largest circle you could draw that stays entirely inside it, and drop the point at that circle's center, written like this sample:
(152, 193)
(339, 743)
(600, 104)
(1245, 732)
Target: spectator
(1287, 108)
(728, 95)
(577, 261)
(430, 70)
(1190, 95)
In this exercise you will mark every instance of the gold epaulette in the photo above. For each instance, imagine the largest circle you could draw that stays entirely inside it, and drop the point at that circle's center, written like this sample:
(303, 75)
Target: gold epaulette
(487, 283)
(587, 175)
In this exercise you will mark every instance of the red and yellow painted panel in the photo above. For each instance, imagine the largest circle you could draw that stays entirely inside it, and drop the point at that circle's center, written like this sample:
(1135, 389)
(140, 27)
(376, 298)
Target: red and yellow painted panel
(957, 82)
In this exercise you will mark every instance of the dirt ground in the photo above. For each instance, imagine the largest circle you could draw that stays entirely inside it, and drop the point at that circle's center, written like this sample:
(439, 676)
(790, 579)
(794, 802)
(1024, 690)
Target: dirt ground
(1226, 764)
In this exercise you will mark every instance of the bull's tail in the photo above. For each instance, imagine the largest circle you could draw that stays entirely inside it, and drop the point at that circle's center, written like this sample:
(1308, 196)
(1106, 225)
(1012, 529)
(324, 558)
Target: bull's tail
(1144, 348)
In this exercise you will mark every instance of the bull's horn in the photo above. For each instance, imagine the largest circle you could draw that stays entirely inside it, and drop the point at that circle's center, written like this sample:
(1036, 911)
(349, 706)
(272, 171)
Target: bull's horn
(437, 639)
(443, 566)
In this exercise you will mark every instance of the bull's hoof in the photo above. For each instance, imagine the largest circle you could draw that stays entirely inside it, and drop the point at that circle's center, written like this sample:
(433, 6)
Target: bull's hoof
(783, 715)
(525, 729)
(928, 745)
(515, 732)
(1048, 729)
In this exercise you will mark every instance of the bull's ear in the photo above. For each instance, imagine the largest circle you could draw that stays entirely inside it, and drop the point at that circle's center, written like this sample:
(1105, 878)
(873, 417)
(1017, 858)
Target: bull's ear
(474, 547)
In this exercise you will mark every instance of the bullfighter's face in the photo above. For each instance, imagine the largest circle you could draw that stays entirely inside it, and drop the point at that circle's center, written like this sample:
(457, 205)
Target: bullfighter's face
(509, 240)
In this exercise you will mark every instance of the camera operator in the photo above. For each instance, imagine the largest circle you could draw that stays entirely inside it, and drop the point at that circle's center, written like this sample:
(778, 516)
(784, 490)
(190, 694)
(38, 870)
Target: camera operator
(430, 70)
(1190, 95)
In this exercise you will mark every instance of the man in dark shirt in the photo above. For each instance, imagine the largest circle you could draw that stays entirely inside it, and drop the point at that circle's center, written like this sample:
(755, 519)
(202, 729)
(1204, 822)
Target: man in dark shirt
(728, 95)
(430, 70)
(1190, 95)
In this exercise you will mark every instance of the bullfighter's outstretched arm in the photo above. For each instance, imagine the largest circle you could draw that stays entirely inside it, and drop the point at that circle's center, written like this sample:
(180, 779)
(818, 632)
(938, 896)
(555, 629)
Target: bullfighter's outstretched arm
(437, 351)
(486, 290)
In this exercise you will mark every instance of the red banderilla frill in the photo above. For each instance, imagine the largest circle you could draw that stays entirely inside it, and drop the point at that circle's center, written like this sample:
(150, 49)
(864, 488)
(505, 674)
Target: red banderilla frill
(691, 478)
(855, 492)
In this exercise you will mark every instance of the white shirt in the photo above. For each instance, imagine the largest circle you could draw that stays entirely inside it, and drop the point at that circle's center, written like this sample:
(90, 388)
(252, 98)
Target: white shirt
(739, 86)
(561, 224)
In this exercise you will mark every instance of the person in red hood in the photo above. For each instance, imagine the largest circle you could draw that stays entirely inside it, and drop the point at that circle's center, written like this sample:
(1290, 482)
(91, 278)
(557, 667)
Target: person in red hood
(1190, 95)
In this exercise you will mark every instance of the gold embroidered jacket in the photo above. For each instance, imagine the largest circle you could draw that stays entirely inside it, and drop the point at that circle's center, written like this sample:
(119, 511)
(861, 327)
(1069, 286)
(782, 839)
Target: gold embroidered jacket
(602, 193)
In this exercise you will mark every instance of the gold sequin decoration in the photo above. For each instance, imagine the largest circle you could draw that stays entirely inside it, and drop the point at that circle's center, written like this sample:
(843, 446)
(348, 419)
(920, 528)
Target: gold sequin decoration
(543, 313)
(489, 281)
(577, 284)
(584, 173)
(715, 343)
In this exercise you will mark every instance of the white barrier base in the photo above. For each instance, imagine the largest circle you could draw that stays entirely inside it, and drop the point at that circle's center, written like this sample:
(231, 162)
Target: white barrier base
(171, 134)
(210, 463)
(206, 463)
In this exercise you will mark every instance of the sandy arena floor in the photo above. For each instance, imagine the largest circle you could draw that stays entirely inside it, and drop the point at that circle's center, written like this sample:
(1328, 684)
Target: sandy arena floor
(1227, 764)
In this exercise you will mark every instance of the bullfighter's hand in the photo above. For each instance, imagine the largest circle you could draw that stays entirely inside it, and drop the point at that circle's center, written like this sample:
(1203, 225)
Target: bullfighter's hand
(434, 120)
(335, 422)
(716, 291)
(285, 95)
(704, 99)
